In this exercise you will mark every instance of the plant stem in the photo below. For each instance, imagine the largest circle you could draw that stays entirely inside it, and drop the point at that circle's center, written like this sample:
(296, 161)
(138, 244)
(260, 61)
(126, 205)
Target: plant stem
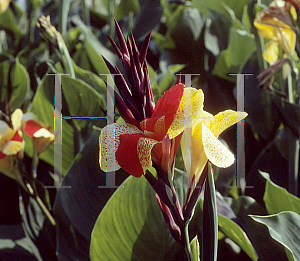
(45, 210)
(293, 147)
(187, 247)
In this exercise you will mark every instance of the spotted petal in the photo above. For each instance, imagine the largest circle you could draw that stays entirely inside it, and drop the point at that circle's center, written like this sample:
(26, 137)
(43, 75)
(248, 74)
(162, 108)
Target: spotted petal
(223, 120)
(191, 106)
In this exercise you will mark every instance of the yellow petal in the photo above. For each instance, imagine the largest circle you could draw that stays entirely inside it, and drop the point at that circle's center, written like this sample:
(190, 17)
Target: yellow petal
(223, 120)
(44, 133)
(16, 119)
(191, 106)
(109, 142)
(6, 133)
(12, 147)
(215, 151)
(271, 52)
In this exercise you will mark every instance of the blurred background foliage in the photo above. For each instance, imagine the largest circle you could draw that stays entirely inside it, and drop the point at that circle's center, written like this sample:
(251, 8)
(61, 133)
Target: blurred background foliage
(209, 39)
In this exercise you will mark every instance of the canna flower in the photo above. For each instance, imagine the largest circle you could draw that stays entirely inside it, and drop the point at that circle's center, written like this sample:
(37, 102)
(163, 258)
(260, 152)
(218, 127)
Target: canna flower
(135, 148)
(150, 133)
(200, 142)
(41, 135)
(11, 143)
(277, 23)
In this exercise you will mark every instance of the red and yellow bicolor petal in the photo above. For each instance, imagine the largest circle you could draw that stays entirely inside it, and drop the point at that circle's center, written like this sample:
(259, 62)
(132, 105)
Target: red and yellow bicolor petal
(123, 145)
(164, 113)
(191, 107)
(34, 129)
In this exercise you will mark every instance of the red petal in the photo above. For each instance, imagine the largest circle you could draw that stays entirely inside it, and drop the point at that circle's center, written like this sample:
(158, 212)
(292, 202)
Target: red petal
(127, 156)
(166, 106)
(2, 155)
(31, 127)
(17, 137)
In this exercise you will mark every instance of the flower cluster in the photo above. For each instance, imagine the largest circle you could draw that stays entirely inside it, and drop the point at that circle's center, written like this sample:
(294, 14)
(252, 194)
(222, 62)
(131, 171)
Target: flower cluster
(12, 141)
(151, 135)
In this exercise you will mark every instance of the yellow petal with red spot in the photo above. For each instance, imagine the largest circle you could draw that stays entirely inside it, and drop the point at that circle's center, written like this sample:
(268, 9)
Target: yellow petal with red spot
(191, 106)
(109, 142)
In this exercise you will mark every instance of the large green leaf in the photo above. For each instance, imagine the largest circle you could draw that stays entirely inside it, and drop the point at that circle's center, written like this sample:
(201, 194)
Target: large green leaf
(284, 228)
(265, 246)
(8, 23)
(234, 232)
(43, 107)
(77, 208)
(95, 49)
(126, 7)
(235, 6)
(231, 61)
(131, 226)
(14, 82)
(277, 199)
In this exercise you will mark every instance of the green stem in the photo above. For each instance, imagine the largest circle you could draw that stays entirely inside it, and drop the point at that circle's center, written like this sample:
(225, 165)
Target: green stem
(293, 146)
(187, 247)
(45, 210)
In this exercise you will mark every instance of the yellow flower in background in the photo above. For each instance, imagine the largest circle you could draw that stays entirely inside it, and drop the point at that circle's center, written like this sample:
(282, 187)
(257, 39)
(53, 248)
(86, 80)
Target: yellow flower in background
(3, 5)
(200, 143)
(276, 23)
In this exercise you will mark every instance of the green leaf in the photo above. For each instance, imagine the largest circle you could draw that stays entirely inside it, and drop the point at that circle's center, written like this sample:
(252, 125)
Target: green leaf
(231, 61)
(129, 222)
(210, 220)
(43, 107)
(82, 100)
(95, 49)
(195, 249)
(236, 6)
(126, 7)
(14, 80)
(63, 13)
(8, 23)
(284, 228)
(77, 208)
(234, 232)
(277, 199)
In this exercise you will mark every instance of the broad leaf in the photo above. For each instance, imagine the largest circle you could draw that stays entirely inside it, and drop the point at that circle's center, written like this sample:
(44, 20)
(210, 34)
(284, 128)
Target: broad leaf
(129, 222)
(235, 233)
(14, 83)
(126, 7)
(43, 107)
(284, 228)
(277, 199)
(80, 200)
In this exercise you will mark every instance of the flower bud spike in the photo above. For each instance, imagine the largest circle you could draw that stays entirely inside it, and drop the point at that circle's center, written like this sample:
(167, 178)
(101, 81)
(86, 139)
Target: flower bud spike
(144, 48)
(114, 45)
(136, 59)
(121, 39)
(109, 66)
(173, 227)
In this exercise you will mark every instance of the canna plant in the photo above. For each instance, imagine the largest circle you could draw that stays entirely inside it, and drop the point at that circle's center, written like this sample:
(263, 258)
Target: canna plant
(151, 135)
